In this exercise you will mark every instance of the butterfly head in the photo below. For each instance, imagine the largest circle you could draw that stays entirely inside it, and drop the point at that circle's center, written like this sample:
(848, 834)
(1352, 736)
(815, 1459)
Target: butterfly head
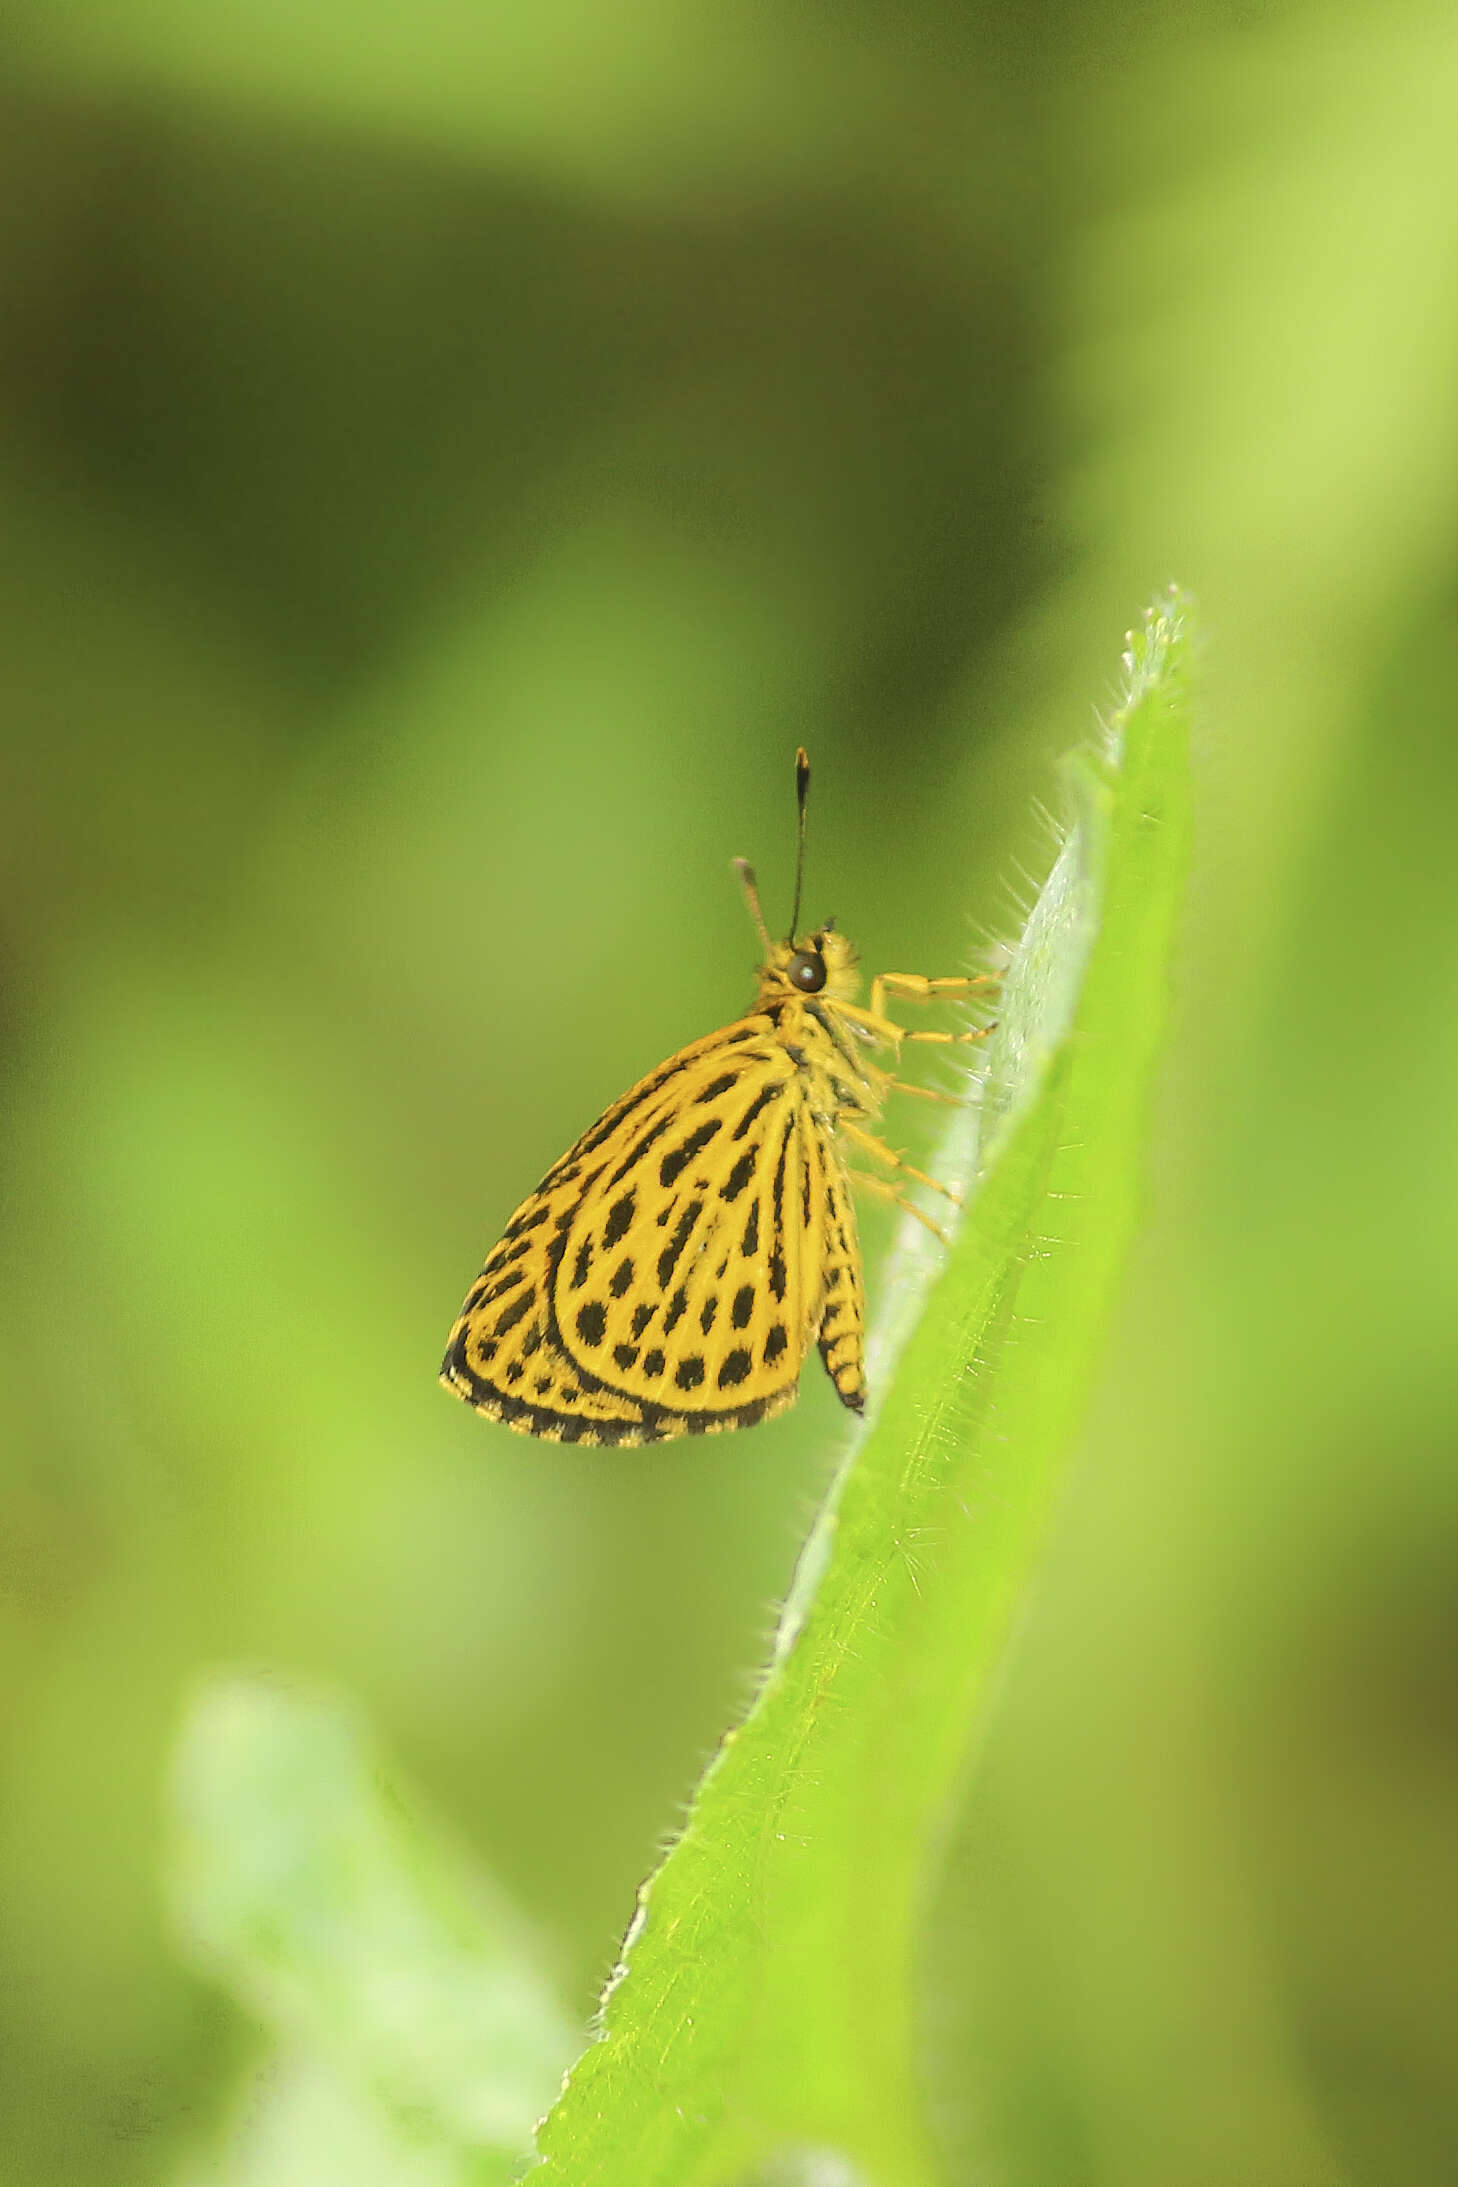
(822, 963)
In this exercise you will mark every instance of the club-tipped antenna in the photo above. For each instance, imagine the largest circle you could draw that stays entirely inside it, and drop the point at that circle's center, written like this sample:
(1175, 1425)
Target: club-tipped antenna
(745, 870)
(751, 890)
(802, 793)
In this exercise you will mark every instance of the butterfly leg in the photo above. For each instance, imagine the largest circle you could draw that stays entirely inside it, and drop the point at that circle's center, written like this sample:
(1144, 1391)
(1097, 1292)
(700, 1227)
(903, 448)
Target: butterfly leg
(916, 987)
(880, 1152)
(886, 1082)
(913, 988)
(884, 1189)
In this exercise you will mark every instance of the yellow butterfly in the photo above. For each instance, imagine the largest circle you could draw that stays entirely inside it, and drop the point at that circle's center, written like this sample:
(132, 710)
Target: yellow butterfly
(669, 1276)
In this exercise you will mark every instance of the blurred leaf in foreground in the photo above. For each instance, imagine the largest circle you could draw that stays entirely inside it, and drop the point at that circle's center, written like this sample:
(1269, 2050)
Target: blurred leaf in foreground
(423, 2040)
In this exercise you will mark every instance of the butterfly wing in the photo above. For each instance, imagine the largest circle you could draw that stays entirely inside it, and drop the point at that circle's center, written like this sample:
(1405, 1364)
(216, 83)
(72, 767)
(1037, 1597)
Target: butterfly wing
(684, 1281)
(670, 1273)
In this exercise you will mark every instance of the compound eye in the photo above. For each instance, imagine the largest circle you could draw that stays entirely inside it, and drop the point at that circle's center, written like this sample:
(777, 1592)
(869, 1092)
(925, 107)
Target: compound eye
(807, 971)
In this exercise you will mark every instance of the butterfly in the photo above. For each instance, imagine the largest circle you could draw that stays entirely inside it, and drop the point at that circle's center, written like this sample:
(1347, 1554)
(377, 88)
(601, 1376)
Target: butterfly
(670, 1274)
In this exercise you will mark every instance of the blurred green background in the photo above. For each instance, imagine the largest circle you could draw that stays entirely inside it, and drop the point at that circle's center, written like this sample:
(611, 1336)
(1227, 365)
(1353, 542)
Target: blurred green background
(450, 456)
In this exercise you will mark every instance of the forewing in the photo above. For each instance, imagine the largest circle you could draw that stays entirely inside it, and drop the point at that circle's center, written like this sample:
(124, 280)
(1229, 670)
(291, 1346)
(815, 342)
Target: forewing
(683, 1283)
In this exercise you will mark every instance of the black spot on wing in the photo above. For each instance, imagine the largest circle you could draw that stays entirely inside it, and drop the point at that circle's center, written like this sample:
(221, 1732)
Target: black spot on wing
(517, 1311)
(592, 1322)
(532, 1218)
(756, 1107)
(775, 1343)
(676, 1161)
(689, 1372)
(777, 1272)
(777, 1192)
(676, 1308)
(735, 1368)
(740, 1175)
(668, 1259)
(620, 1220)
(749, 1243)
(718, 1086)
(642, 1315)
(640, 1146)
(496, 1290)
(584, 1263)
(622, 1277)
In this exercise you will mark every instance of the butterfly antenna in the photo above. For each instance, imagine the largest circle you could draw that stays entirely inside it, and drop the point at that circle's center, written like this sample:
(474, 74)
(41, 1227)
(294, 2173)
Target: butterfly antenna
(751, 890)
(802, 793)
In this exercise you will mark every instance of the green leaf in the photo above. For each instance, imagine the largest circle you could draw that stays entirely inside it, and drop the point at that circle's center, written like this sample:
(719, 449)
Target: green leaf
(762, 2024)
(406, 1989)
